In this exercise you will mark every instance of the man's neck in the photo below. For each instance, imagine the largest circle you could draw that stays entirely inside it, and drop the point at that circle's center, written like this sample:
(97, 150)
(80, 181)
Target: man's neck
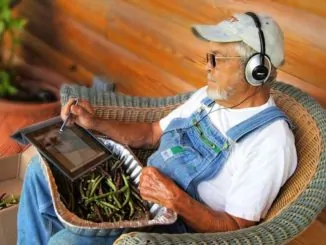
(255, 96)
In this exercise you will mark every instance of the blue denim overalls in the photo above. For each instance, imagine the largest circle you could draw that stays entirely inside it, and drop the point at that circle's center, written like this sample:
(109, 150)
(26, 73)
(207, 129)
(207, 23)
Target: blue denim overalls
(193, 149)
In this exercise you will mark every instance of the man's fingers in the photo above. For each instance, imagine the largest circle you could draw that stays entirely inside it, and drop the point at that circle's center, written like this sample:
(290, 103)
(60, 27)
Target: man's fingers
(150, 194)
(86, 105)
(79, 111)
(147, 192)
(82, 113)
(66, 109)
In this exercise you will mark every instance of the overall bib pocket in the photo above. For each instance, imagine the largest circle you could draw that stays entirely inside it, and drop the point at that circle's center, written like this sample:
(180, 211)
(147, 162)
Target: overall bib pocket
(178, 162)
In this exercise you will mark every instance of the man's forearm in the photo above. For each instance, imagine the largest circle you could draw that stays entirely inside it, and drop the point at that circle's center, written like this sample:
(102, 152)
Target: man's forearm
(202, 218)
(133, 134)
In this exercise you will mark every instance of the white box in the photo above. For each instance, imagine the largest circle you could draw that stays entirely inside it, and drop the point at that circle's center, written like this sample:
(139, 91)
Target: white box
(12, 171)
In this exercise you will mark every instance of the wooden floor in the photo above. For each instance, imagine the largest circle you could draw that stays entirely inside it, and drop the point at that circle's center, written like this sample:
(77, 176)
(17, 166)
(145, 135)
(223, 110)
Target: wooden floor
(315, 234)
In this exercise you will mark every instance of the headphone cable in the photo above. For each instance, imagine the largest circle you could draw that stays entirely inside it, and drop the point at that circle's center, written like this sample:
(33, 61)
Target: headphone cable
(210, 111)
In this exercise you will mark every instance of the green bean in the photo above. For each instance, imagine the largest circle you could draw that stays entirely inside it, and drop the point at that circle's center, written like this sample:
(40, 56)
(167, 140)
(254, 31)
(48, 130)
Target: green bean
(125, 180)
(106, 210)
(114, 166)
(117, 201)
(112, 213)
(111, 184)
(96, 182)
(119, 216)
(127, 197)
(89, 187)
(135, 194)
(106, 194)
(127, 193)
(131, 208)
(81, 190)
(109, 205)
(7, 201)
(120, 164)
(110, 198)
(90, 216)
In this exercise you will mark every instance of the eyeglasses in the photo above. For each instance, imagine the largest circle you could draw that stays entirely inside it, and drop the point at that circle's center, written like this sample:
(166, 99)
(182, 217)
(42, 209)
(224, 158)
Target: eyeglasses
(212, 58)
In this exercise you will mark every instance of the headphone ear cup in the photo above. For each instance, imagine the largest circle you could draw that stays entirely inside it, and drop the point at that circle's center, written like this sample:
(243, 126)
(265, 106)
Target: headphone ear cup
(256, 73)
(260, 73)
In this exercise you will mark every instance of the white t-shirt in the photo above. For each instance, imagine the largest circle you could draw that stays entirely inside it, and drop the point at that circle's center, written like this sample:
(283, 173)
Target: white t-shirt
(257, 166)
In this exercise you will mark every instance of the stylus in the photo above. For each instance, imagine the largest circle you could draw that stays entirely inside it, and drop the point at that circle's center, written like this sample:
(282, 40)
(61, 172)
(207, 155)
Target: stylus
(65, 121)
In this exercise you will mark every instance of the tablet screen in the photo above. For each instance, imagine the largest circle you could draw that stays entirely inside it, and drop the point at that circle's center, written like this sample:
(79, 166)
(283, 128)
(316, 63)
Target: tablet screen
(73, 151)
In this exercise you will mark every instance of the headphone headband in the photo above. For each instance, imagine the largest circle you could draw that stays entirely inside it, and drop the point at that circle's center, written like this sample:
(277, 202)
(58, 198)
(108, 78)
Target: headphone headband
(260, 33)
(258, 67)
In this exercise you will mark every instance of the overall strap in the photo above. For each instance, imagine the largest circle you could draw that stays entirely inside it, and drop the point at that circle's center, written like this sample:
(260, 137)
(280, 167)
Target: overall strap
(207, 101)
(260, 120)
(179, 122)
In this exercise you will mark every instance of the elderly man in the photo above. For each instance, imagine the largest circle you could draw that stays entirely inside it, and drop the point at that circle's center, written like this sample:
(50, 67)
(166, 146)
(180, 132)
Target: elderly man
(223, 155)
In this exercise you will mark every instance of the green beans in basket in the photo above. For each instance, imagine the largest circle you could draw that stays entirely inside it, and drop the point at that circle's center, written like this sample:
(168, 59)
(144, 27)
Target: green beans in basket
(106, 195)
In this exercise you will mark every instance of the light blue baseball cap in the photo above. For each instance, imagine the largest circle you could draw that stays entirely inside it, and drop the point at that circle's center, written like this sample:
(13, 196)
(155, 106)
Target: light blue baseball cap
(241, 27)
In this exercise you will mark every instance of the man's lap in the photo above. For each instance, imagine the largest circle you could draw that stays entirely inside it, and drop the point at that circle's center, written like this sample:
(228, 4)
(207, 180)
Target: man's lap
(35, 179)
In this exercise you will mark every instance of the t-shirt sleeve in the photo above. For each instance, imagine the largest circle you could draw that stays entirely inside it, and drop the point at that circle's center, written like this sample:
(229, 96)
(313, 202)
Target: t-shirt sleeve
(164, 122)
(184, 109)
(256, 183)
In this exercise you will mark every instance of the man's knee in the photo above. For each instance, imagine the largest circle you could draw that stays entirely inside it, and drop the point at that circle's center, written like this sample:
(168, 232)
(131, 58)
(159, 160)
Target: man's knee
(34, 177)
(34, 167)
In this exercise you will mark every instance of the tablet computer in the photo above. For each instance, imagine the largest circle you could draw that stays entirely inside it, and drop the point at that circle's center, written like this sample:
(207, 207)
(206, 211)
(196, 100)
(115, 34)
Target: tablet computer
(74, 151)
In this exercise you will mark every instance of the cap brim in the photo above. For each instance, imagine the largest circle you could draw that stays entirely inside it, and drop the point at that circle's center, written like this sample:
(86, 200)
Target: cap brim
(216, 33)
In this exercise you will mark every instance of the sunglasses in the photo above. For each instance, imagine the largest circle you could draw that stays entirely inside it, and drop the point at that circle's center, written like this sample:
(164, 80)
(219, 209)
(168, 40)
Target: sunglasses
(211, 58)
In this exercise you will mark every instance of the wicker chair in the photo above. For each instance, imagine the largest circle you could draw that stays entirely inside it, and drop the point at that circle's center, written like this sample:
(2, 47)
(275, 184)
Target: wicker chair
(301, 199)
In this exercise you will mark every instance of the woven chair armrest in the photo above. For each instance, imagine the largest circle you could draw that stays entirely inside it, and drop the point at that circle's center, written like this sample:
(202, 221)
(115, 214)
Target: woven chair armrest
(117, 106)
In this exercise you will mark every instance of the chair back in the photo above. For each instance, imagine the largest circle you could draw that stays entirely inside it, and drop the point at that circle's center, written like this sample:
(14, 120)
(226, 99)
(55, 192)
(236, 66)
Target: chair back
(309, 147)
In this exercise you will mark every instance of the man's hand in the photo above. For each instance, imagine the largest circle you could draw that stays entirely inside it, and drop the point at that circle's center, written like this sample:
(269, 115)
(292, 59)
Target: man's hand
(82, 114)
(156, 187)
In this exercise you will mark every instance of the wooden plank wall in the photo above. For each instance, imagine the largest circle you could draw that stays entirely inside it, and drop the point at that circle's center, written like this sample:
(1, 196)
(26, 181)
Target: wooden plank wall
(147, 47)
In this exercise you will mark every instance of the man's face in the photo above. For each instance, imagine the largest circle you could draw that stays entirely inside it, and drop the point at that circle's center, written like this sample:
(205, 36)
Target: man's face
(226, 77)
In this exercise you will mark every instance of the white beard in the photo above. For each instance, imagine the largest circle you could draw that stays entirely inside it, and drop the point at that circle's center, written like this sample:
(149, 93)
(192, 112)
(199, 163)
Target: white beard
(215, 94)
(218, 94)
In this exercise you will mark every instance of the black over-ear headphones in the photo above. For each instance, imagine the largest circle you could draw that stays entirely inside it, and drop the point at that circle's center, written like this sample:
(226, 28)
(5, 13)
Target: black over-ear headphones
(258, 67)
